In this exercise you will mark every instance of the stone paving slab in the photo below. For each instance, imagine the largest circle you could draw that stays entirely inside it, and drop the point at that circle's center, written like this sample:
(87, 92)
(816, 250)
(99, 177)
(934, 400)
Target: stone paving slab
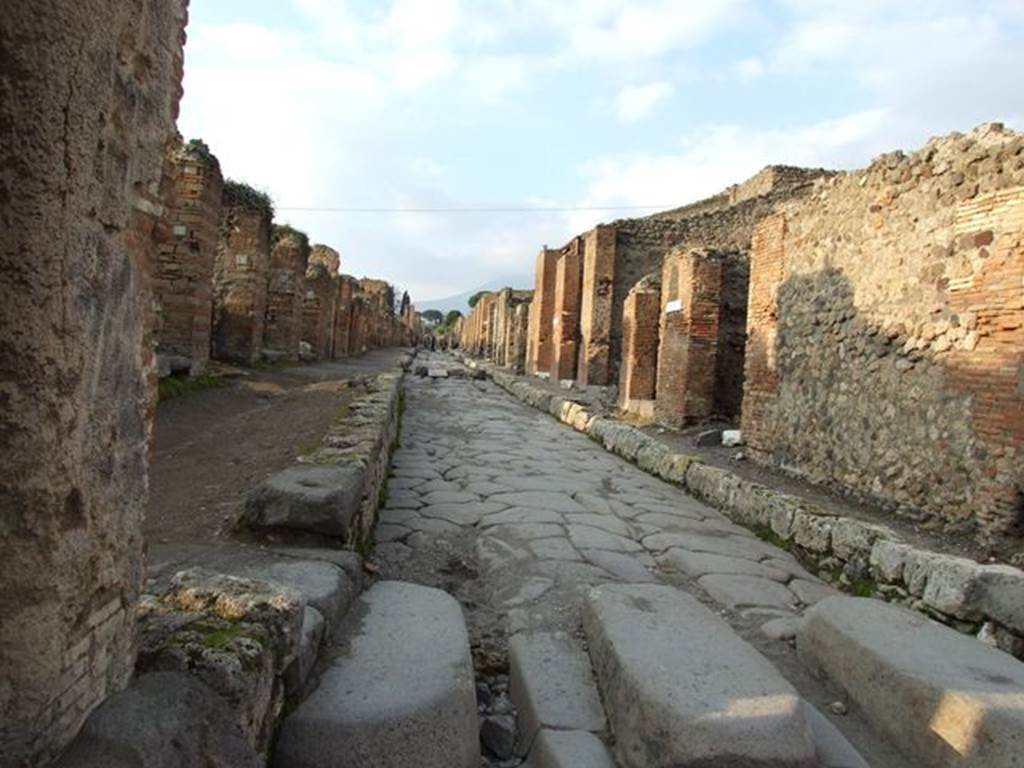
(697, 564)
(569, 749)
(735, 592)
(946, 698)
(552, 686)
(682, 689)
(398, 691)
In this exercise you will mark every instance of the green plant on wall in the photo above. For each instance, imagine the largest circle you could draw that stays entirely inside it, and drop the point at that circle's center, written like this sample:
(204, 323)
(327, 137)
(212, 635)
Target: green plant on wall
(238, 194)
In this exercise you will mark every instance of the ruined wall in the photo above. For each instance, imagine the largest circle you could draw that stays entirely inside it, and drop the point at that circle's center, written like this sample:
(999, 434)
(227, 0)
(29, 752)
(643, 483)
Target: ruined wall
(515, 357)
(542, 309)
(183, 272)
(240, 282)
(318, 308)
(342, 341)
(286, 285)
(596, 311)
(886, 348)
(641, 316)
(565, 322)
(691, 289)
(88, 98)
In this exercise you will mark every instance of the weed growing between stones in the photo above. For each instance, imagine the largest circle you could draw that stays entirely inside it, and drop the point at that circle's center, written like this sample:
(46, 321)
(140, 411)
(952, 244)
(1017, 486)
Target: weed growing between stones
(238, 194)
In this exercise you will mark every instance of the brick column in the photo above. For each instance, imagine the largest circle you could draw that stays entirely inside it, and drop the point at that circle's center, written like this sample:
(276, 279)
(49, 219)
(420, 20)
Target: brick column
(538, 344)
(596, 305)
(565, 326)
(286, 284)
(767, 267)
(691, 286)
(240, 282)
(183, 273)
(641, 314)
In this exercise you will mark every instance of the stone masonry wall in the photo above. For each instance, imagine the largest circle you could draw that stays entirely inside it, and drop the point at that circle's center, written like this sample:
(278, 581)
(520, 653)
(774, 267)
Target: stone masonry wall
(542, 309)
(240, 284)
(183, 273)
(596, 306)
(886, 352)
(318, 308)
(343, 316)
(286, 283)
(566, 317)
(691, 288)
(88, 97)
(640, 320)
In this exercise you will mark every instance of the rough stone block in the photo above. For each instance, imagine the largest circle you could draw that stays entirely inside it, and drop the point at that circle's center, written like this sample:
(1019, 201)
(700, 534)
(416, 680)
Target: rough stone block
(399, 690)
(682, 689)
(310, 498)
(569, 749)
(310, 636)
(943, 697)
(552, 686)
(162, 720)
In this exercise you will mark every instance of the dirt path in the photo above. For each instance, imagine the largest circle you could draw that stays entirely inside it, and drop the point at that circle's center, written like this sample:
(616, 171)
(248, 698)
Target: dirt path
(211, 447)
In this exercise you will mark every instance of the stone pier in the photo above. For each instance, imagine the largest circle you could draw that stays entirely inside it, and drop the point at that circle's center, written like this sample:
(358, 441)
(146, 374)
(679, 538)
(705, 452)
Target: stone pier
(289, 259)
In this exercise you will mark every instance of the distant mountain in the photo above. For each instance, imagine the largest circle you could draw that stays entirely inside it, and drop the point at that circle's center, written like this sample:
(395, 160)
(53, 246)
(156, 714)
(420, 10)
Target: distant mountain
(460, 301)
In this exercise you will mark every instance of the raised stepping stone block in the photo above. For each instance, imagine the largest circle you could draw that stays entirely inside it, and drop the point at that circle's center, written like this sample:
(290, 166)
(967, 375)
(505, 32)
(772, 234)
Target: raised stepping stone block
(568, 749)
(682, 689)
(308, 498)
(834, 751)
(945, 698)
(398, 691)
(552, 686)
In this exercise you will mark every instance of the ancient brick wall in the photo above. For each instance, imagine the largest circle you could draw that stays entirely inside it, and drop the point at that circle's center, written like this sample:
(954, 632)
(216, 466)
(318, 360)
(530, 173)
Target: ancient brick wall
(81, 200)
(318, 308)
(286, 285)
(886, 348)
(596, 312)
(240, 283)
(515, 357)
(691, 289)
(342, 338)
(542, 309)
(641, 317)
(565, 323)
(183, 271)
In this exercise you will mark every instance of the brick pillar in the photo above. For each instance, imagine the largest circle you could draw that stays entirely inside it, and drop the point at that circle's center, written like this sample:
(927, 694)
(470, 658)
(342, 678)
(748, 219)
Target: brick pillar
(691, 287)
(240, 283)
(341, 346)
(641, 314)
(767, 267)
(596, 305)
(538, 343)
(566, 321)
(183, 272)
(83, 133)
(286, 284)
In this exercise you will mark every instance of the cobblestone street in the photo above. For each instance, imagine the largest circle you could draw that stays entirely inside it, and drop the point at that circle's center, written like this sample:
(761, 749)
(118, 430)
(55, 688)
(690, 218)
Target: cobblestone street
(519, 516)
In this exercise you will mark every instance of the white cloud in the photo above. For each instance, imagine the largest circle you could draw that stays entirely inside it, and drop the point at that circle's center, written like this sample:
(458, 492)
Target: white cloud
(749, 69)
(636, 102)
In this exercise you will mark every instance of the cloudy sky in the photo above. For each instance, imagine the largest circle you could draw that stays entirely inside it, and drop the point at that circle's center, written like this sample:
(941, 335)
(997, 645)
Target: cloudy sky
(542, 104)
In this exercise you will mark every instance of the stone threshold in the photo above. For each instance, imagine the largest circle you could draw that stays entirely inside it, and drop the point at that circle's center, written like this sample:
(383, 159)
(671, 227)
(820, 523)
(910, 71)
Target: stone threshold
(862, 558)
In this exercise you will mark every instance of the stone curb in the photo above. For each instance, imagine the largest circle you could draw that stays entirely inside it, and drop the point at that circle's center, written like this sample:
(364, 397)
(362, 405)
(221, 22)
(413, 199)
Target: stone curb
(860, 557)
(361, 440)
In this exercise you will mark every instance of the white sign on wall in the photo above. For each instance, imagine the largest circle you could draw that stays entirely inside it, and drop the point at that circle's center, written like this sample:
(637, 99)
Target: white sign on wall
(675, 305)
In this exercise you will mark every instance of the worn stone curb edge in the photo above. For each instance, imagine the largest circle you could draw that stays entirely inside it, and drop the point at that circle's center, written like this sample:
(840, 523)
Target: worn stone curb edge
(863, 558)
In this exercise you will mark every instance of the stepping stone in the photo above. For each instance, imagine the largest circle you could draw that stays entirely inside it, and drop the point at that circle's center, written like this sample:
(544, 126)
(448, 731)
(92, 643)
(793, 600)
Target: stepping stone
(568, 749)
(307, 498)
(556, 502)
(834, 751)
(552, 686)
(399, 690)
(697, 564)
(682, 689)
(943, 697)
(735, 592)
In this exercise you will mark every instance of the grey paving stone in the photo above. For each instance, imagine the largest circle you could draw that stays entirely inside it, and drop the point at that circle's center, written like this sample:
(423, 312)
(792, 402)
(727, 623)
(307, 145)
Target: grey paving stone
(525, 531)
(552, 686)
(448, 497)
(554, 549)
(750, 549)
(432, 526)
(697, 564)
(782, 628)
(682, 689)
(467, 513)
(404, 500)
(399, 690)
(523, 515)
(307, 498)
(487, 488)
(607, 522)
(518, 593)
(310, 636)
(394, 516)
(386, 532)
(736, 592)
(967, 699)
(568, 749)
(833, 750)
(594, 503)
(586, 537)
(811, 592)
(556, 502)
(623, 567)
